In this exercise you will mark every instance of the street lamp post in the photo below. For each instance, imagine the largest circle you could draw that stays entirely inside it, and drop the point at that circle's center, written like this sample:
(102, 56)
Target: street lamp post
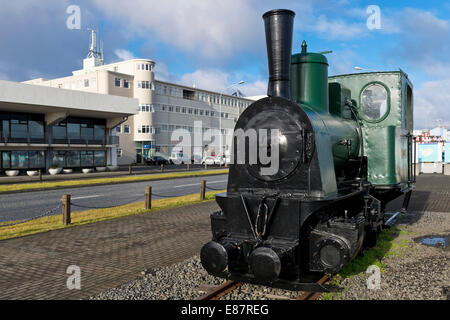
(364, 69)
(220, 116)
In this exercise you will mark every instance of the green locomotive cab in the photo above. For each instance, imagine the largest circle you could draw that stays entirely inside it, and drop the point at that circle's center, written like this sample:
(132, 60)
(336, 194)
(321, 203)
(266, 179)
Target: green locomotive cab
(384, 104)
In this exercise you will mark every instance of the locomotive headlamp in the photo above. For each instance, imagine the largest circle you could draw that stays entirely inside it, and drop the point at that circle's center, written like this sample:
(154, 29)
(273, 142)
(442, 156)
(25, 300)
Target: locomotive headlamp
(332, 255)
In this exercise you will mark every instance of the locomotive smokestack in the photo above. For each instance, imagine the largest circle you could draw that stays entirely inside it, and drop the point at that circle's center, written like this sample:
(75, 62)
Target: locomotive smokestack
(279, 24)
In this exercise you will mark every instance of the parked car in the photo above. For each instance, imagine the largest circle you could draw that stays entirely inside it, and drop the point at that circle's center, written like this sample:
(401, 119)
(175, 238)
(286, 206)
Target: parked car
(210, 160)
(179, 158)
(220, 161)
(156, 160)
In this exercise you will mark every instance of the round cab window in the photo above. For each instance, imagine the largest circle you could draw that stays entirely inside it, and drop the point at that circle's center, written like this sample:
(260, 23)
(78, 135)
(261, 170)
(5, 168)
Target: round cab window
(374, 101)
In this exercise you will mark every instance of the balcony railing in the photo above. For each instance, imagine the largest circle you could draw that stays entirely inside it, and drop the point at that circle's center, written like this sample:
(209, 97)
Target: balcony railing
(29, 140)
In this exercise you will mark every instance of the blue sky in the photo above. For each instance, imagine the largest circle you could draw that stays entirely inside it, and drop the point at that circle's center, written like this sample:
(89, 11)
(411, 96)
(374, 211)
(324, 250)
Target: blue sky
(214, 43)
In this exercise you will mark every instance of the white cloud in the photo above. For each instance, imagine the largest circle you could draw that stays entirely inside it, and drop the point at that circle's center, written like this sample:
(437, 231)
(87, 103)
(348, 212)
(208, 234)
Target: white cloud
(338, 29)
(432, 102)
(220, 81)
(424, 40)
(207, 28)
(162, 71)
(123, 54)
(208, 79)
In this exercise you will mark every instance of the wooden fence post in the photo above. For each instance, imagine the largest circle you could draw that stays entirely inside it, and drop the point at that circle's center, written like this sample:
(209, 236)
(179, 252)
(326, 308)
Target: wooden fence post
(130, 169)
(148, 197)
(66, 209)
(40, 175)
(202, 190)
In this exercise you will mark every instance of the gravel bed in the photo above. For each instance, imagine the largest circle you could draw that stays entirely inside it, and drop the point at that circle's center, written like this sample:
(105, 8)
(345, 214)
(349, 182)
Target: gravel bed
(416, 271)
(183, 281)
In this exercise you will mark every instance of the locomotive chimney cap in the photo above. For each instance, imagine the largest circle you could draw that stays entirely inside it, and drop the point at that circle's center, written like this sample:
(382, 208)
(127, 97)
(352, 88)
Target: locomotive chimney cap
(278, 11)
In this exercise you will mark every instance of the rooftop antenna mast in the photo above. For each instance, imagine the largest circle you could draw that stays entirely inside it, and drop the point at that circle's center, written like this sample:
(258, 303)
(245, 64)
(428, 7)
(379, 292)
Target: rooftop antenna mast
(93, 48)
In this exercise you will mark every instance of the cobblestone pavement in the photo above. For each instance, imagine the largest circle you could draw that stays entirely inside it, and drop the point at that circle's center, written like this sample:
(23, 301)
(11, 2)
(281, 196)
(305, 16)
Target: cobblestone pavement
(108, 253)
(115, 252)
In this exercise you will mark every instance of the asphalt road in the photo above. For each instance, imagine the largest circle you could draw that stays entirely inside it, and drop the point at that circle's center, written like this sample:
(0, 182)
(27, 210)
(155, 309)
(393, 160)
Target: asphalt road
(27, 205)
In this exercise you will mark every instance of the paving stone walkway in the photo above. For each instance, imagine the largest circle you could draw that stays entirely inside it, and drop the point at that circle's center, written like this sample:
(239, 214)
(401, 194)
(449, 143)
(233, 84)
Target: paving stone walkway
(108, 253)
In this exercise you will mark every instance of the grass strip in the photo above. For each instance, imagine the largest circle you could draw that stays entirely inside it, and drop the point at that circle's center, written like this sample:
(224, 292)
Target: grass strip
(95, 215)
(97, 181)
(389, 244)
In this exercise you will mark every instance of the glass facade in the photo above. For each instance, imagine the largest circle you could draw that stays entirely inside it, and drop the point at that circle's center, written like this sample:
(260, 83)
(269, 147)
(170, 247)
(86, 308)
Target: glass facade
(79, 158)
(80, 130)
(23, 159)
(30, 129)
(19, 127)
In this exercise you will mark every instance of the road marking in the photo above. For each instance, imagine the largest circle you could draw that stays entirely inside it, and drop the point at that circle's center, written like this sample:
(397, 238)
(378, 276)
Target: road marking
(87, 197)
(197, 184)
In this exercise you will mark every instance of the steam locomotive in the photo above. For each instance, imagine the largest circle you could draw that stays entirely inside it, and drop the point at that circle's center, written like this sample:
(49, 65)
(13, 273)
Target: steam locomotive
(344, 149)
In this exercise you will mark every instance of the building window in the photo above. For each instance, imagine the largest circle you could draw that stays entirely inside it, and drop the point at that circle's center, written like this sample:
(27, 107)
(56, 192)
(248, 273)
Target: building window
(201, 112)
(118, 129)
(170, 108)
(145, 129)
(177, 109)
(183, 110)
(171, 127)
(212, 113)
(144, 84)
(86, 83)
(119, 152)
(207, 113)
(164, 127)
(117, 82)
(190, 110)
(126, 83)
(147, 67)
(139, 67)
(126, 128)
(157, 130)
(195, 111)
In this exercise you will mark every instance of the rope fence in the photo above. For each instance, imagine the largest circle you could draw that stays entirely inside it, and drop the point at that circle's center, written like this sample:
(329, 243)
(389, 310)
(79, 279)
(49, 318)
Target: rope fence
(47, 213)
(66, 204)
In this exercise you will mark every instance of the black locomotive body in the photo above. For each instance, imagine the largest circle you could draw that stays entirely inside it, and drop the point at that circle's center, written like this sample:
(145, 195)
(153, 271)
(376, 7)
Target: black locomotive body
(318, 209)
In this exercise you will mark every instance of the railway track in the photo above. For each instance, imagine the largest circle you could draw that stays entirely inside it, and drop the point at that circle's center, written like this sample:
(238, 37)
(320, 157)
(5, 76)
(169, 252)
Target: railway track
(219, 291)
(228, 286)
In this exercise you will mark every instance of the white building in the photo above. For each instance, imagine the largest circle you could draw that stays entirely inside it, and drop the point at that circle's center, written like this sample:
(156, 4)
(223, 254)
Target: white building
(163, 107)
